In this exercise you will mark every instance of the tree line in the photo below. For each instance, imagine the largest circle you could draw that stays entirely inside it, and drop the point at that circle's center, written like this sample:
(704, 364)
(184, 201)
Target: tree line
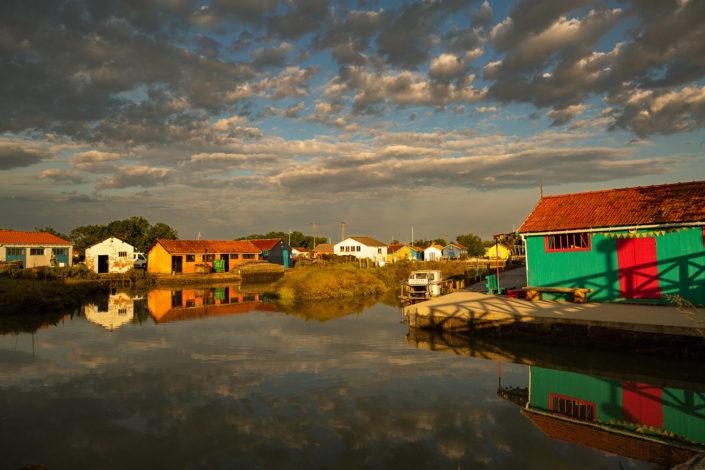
(137, 231)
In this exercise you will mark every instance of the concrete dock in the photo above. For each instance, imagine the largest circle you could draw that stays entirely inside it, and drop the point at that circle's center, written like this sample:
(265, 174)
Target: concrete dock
(467, 310)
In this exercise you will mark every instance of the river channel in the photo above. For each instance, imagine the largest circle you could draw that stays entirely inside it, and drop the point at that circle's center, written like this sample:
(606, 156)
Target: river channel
(222, 378)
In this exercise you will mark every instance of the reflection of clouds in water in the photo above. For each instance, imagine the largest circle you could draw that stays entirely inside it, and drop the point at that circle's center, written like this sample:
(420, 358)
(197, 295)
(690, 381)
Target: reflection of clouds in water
(224, 392)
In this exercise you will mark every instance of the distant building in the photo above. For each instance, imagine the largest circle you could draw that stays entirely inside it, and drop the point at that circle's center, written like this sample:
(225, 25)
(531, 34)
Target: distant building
(274, 250)
(299, 252)
(323, 249)
(640, 244)
(433, 253)
(455, 251)
(183, 256)
(498, 250)
(362, 247)
(112, 255)
(35, 249)
(398, 252)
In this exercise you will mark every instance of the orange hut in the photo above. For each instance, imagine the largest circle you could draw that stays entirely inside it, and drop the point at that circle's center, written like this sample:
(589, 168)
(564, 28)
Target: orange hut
(183, 256)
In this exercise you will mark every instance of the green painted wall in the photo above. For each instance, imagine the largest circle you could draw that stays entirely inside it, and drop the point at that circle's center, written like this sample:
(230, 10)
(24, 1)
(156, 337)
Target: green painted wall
(683, 410)
(680, 256)
(605, 393)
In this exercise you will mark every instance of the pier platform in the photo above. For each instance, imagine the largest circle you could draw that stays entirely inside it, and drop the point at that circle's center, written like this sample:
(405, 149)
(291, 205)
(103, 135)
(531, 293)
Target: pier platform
(466, 311)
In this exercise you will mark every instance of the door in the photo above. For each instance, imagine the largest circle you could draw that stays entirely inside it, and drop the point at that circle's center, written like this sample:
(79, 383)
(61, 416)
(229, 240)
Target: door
(102, 264)
(285, 255)
(638, 270)
(177, 263)
(226, 262)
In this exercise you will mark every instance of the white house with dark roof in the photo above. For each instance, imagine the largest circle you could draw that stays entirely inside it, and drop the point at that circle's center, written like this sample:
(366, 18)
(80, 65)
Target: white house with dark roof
(362, 247)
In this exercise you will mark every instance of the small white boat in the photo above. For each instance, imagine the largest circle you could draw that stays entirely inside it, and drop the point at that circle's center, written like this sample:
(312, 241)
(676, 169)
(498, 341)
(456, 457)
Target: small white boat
(422, 285)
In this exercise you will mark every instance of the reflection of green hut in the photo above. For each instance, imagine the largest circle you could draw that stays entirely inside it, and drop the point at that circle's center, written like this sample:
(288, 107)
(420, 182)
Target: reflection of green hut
(632, 244)
(592, 410)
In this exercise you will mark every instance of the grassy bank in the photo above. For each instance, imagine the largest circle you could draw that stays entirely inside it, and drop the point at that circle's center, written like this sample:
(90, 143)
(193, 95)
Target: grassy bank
(348, 280)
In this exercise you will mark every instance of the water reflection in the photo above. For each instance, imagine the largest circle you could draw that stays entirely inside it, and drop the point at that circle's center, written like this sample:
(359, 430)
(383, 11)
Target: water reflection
(169, 305)
(652, 410)
(117, 310)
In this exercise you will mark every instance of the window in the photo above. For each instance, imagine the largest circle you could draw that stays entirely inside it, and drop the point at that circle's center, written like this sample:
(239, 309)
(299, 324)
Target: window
(209, 257)
(572, 407)
(61, 251)
(190, 258)
(568, 242)
(191, 303)
(14, 251)
(248, 256)
(122, 254)
(379, 251)
(233, 256)
(358, 248)
(36, 251)
(122, 311)
(248, 298)
(265, 252)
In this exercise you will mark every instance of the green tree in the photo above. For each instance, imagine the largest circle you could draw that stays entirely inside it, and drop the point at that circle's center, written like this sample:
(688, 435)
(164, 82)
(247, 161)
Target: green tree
(50, 229)
(440, 241)
(136, 231)
(473, 243)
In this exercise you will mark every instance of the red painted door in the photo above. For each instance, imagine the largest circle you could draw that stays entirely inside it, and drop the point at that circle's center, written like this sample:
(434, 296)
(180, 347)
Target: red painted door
(638, 271)
(642, 403)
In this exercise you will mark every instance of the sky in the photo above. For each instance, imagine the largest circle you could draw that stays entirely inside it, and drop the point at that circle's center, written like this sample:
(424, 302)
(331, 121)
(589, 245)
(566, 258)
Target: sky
(228, 118)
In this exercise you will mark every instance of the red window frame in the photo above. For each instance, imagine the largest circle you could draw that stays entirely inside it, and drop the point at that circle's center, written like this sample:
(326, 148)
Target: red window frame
(573, 403)
(566, 242)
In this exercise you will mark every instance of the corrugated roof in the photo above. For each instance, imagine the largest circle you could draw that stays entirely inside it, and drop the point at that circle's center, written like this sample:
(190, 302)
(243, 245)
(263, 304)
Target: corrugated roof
(212, 246)
(643, 205)
(368, 241)
(266, 243)
(14, 237)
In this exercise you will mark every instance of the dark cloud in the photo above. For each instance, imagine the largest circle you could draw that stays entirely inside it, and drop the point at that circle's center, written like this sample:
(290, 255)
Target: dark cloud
(13, 155)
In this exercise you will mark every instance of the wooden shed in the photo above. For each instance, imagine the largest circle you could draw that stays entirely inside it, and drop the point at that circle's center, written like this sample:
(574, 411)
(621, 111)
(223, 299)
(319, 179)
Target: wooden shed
(274, 250)
(642, 244)
(183, 256)
(455, 251)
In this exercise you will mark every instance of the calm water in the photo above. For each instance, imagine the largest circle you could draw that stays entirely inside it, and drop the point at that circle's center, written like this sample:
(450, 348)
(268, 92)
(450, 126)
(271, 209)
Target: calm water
(220, 379)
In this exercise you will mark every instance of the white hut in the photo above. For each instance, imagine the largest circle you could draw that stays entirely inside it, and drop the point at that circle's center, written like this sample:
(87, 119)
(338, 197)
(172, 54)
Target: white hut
(112, 255)
(433, 253)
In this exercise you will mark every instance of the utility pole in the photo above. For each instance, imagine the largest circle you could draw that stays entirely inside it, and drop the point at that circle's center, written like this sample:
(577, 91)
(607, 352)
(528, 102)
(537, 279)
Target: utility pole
(412, 234)
(314, 239)
(342, 231)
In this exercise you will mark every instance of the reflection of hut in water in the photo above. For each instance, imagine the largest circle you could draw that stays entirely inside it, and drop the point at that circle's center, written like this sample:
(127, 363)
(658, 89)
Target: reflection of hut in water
(656, 424)
(119, 309)
(166, 305)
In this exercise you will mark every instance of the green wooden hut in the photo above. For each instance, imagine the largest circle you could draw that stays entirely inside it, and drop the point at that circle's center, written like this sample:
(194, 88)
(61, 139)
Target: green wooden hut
(642, 244)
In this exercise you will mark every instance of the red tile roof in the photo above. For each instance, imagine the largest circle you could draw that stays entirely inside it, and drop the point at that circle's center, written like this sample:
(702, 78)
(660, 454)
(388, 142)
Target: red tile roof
(457, 245)
(394, 247)
(213, 246)
(12, 237)
(265, 244)
(644, 205)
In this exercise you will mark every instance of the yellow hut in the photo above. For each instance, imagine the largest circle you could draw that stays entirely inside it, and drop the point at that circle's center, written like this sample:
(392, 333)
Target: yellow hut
(498, 250)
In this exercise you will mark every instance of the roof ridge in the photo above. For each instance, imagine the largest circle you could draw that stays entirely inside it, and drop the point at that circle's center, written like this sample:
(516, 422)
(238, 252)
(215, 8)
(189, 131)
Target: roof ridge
(682, 183)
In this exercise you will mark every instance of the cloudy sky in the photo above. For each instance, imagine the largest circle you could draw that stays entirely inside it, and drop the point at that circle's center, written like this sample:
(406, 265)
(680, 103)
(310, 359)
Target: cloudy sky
(235, 117)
